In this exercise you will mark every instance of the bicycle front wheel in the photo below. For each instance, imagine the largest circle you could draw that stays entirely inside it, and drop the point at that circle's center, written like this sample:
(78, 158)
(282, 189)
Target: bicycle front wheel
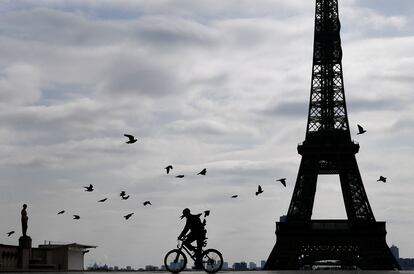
(212, 260)
(175, 261)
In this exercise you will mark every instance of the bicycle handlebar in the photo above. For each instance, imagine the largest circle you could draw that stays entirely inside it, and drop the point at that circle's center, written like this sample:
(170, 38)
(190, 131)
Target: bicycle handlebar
(180, 241)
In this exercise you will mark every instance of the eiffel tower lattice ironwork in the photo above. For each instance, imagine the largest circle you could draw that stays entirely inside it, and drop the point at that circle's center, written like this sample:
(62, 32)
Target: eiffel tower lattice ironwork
(358, 241)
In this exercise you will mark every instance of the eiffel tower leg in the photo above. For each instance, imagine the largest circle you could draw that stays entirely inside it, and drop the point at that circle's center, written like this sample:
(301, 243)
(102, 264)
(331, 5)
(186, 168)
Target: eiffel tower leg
(376, 255)
(355, 198)
(303, 197)
(374, 252)
(284, 255)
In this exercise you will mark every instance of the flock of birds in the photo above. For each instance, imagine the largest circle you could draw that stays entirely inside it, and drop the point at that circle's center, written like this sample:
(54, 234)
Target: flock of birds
(124, 196)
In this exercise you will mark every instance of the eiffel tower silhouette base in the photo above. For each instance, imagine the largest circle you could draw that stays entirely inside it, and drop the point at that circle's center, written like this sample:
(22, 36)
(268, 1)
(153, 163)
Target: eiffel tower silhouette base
(300, 245)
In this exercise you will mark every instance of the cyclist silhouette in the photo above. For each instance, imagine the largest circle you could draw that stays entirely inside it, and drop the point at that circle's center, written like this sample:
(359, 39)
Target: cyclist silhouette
(197, 233)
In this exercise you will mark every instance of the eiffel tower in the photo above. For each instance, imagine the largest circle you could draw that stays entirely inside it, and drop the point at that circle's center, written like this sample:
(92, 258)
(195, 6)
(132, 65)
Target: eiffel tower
(358, 241)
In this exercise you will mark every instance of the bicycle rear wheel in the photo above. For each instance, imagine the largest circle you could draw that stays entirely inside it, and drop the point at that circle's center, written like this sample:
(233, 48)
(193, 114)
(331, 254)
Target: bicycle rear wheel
(175, 261)
(212, 260)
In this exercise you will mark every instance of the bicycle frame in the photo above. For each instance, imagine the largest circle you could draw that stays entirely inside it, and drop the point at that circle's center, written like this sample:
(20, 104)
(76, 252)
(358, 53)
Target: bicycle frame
(212, 260)
(181, 246)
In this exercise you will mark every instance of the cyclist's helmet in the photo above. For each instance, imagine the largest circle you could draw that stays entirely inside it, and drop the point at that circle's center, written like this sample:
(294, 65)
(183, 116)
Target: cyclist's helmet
(186, 212)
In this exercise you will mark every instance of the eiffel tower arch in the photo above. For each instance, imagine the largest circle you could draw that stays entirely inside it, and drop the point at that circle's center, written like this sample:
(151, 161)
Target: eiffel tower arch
(328, 148)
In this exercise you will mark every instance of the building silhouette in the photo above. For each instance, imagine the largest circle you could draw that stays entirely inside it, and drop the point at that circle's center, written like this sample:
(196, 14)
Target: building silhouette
(151, 268)
(241, 266)
(64, 257)
(395, 251)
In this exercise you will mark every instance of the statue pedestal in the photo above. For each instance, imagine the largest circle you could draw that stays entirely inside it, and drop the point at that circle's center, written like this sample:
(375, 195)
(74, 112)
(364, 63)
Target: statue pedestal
(25, 252)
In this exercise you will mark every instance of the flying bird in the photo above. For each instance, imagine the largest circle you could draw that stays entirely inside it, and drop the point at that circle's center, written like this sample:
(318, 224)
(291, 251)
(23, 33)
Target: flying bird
(103, 200)
(146, 203)
(168, 168)
(283, 181)
(89, 188)
(361, 130)
(128, 216)
(235, 196)
(60, 212)
(125, 197)
(122, 194)
(382, 179)
(180, 176)
(76, 217)
(10, 233)
(206, 213)
(131, 138)
(203, 172)
(259, 190)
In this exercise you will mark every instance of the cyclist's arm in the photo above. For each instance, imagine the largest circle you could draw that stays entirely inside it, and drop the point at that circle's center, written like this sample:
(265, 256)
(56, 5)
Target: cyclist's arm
(185, 230)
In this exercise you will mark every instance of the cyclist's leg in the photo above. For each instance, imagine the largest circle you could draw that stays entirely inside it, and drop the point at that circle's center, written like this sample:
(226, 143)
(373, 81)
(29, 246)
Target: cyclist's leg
(188, 240)
(200, 241)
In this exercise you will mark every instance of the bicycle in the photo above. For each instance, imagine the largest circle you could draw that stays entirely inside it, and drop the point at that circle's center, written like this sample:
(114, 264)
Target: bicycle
(175, 260)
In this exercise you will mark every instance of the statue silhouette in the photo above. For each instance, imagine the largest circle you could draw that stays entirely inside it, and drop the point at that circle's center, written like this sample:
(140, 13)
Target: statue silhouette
(197, 233)
(24, 220)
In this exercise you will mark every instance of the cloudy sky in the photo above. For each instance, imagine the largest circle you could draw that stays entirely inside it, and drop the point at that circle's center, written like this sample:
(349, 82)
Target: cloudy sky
(222, 85)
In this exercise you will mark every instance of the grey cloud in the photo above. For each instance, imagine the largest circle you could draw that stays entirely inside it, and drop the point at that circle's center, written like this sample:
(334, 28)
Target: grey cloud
(172, 32)
(371, 22)
(20, 84)
(139, 75)
(362, 105)
(202, 10)
(216, 80)
(65, 156)
(56, 123)
(215, 131)
(56, 27)
(254, 32)
(199, 127)
(399, 135)
(292, 109)
(395, 7)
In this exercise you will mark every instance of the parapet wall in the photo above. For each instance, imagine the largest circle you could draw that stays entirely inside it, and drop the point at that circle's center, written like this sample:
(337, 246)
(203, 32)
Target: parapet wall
(9, 255)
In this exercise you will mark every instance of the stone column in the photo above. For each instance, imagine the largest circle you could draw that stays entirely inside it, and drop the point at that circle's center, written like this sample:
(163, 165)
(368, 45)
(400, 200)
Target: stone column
(25, 252)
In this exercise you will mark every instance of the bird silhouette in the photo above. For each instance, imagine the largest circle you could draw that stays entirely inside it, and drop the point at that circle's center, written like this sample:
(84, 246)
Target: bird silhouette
(128, 216)
(76, 217)
(203, 172)
(146, 203)
(89, 188)
(382, 179)
(131, 138)
(206, 213)
(122, 193)
(10, 233)
(125, 197)
(60, 212)
(168, 168)
(259, 190)
(361, 130)
(283, 181)
(235, 196)
(103, 200)
(180, 176)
